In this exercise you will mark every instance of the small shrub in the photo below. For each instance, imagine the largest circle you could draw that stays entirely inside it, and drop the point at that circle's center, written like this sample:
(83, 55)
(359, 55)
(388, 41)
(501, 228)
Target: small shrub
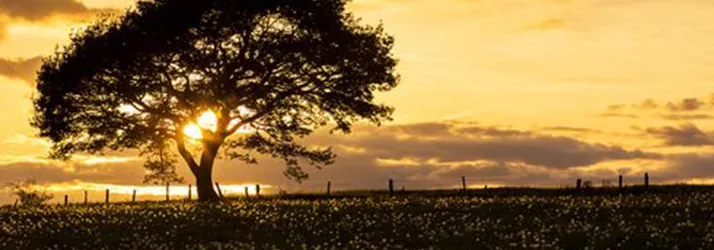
(29, 193)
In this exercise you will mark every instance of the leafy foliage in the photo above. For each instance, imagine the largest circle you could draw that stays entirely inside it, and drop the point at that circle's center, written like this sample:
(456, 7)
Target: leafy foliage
(29, 193)
(281, 68)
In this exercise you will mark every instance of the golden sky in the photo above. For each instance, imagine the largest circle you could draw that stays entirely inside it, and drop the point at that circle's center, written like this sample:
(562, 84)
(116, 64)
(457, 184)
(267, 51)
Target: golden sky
(505, 92)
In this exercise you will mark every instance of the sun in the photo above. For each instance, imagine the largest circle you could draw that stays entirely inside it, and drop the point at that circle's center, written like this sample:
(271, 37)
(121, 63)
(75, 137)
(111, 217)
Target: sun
(207, 120)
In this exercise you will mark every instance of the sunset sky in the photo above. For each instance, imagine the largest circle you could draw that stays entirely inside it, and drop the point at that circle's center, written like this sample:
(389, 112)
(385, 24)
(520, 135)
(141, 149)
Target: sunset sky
(504, 92)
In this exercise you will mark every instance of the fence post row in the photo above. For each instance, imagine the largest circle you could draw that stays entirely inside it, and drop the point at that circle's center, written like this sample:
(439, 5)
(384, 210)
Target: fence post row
(220, 194)
(189, 191)
(391, 187)
(167, 191)
(463, 182)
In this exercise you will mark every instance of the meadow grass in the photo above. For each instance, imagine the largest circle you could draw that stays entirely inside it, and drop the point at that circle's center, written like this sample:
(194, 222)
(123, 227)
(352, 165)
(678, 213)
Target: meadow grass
(662, 217)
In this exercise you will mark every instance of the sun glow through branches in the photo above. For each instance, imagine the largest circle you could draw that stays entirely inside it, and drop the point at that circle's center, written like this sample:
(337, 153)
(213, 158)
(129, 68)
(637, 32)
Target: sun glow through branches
(207, 120)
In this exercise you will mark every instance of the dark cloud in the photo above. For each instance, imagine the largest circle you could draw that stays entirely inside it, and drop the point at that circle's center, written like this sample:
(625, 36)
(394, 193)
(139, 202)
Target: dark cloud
(684, 135)
(491, 172)
(688, 104)
(617, 111)
(571, 129)
(41, 10)
(500, 145)
(687, 117)
(551, 152)
(684, 167)
(23, 69)
(36, 10)
(492, 132)
(126, 173)
(680, 110)
(424, 129)
(618, 115)
(615, 108)
(646, 104)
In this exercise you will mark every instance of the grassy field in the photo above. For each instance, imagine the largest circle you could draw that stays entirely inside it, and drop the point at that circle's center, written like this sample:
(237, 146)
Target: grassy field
(670, 217)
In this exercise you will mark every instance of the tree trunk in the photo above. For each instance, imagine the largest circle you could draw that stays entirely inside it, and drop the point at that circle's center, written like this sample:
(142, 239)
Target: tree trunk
(204, 178)
(204, 186)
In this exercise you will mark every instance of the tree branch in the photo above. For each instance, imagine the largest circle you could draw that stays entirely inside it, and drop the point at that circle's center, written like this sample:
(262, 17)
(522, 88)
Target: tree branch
(185, 154)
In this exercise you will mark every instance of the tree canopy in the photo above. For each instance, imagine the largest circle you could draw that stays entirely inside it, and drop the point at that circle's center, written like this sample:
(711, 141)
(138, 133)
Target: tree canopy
(282, 68)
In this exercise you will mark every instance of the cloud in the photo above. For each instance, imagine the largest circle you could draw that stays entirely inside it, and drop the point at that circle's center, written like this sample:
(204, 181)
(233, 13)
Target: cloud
(571, 129)
(618, 115)
(492, 132)
(549, 24)
(687, 117)
(684, 135)
(646, 104)
(424, 129)
(688, 104)
(459, 143)
(684, 167)
(37, 10)
(22, 69)
(686, 109)
(56, 172)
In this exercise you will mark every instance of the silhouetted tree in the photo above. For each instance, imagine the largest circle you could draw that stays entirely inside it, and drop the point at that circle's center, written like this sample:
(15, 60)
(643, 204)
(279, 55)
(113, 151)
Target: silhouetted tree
(283, 68)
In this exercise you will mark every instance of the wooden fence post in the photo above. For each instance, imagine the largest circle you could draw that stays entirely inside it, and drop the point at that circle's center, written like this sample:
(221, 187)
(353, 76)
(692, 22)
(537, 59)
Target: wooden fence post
(463, 182)
(647, 180)
(329, 185)
(133, 196)
(167, 191)
(189, 191)
(66, 200)
(391, 187)
(257, 190)
(579, 184)
(220, 193)
(106, 197)
(15, 205)
(246, 192)
(85, 197)
(619, 185)
(485, 187)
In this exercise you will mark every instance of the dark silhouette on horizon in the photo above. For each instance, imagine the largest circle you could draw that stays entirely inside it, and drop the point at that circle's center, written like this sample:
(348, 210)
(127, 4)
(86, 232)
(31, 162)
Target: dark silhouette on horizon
(279, 69)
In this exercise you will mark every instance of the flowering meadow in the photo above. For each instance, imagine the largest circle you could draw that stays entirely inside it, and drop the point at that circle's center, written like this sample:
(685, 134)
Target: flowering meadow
(664, 220)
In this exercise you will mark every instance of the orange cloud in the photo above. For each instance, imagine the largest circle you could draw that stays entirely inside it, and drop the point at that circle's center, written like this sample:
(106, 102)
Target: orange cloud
(37, 10)
(23, 69)
(548, 24)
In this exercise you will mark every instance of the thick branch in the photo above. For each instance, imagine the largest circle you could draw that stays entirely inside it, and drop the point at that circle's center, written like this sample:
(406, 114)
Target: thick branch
(185, 154)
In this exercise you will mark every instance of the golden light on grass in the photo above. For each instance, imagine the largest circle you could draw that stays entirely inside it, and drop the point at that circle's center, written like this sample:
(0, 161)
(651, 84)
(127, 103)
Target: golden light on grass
(122, 192)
